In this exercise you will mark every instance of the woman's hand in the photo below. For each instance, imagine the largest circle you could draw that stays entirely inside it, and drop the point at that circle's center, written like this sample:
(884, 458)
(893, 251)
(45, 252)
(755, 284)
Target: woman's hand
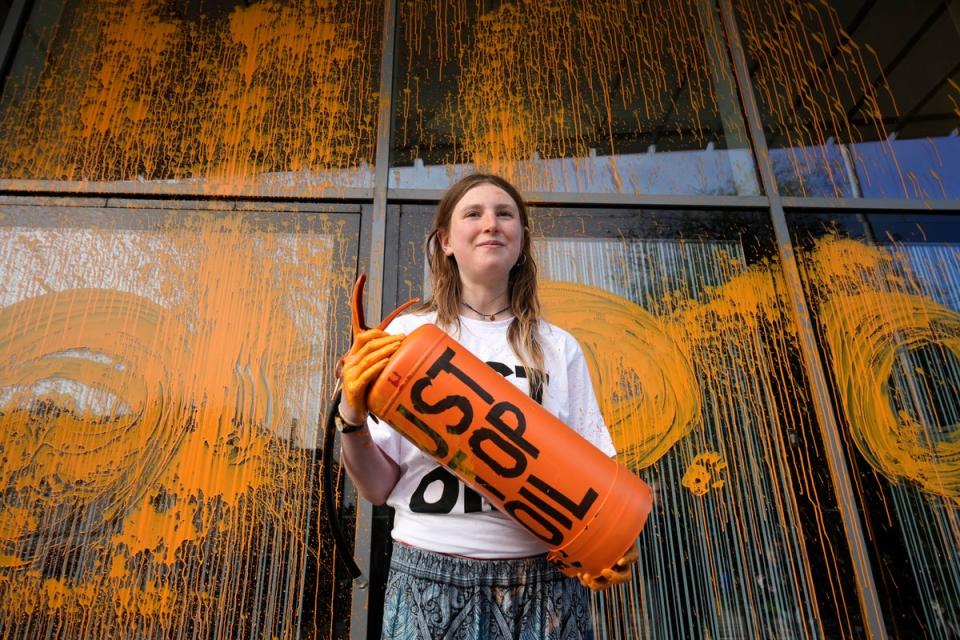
(619, 573)
(369, 354)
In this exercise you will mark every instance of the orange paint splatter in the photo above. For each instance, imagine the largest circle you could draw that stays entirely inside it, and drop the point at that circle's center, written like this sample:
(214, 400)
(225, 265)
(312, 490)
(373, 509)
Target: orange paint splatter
(703, 474)
(873, 316)
(647, 391)
(272, 95)
(544, 79)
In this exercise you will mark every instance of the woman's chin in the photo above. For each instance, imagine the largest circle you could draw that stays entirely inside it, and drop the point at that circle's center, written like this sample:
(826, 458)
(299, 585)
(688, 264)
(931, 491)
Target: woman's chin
(487, 271)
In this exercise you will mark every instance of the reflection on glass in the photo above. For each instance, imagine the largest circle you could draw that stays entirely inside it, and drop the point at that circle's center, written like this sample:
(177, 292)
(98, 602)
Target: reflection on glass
(859, 100)
(225, 93)
(888, 317)
(612, 96)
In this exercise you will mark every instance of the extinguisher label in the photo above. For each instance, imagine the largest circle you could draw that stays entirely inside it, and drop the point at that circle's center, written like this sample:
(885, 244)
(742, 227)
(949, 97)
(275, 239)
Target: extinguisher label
(484, 441)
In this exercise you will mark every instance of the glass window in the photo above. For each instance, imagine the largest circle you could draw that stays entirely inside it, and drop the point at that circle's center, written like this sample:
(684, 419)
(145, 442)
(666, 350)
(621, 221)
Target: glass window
(858, 100)
(691, 345)
(162, 373)
(614, 96)
(269, 95)
(885, 292)
(4, 9)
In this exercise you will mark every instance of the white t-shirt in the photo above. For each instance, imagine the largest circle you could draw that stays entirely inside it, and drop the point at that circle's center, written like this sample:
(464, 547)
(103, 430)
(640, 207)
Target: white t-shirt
(434, 510)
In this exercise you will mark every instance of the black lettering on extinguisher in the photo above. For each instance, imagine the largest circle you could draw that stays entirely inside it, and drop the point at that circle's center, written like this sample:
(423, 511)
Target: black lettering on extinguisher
(441, 449)
(492, 490)
(460, 402)
(445, 363)
(550, 510)
(577, 509)
(495, 418)
(450, 491)
(505, 470)
(543, 528)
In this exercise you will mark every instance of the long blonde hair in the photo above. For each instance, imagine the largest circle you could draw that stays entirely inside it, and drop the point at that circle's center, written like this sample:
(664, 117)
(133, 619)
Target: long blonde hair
(523, 333)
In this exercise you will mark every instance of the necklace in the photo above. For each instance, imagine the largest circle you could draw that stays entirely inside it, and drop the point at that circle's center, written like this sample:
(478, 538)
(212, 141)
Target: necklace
(486, 316)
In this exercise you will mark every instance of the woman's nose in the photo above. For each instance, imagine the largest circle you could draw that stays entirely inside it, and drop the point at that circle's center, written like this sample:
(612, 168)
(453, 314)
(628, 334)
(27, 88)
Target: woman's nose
(490, 221)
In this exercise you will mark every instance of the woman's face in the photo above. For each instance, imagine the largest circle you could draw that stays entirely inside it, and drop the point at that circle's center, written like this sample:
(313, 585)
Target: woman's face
(485, 234)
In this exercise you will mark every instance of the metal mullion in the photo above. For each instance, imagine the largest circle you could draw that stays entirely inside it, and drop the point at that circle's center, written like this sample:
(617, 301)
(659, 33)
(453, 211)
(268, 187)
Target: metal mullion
(866, 588)
(376, 223)
(10, 34)
(129, 188)
(871, 204)
(544, 198)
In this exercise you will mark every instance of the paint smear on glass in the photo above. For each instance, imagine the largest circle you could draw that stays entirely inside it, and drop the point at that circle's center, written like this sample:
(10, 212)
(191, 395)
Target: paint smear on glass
(159, 392)
(271, 95)
(544, 79)
(703, 474)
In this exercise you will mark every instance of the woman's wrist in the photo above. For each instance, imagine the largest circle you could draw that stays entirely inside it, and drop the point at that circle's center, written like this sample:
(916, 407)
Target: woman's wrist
(349, 415)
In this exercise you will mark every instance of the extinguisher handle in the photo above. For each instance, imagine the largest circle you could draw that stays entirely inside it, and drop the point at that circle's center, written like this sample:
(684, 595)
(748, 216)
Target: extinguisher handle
(357, 308)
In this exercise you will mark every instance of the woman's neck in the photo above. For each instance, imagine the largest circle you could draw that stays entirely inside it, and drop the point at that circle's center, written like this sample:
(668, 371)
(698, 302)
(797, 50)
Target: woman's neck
(484, 300)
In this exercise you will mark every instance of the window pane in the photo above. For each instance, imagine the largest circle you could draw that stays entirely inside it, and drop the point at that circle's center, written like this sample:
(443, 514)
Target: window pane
(858, 99)
(162, 373)
(886, 295)
(274, 94)
(692, 349)
(613, 96)
(4, 9)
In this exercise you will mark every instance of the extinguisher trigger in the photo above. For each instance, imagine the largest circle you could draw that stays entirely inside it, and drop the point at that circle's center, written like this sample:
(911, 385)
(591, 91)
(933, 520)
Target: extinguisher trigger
(357, 308)
(357, 305)
(406, 305)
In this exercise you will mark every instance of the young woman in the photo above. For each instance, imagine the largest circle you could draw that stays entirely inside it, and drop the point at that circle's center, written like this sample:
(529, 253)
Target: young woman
(460, 568)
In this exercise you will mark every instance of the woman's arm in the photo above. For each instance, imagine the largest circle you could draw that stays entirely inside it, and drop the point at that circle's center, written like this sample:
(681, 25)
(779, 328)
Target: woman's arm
(371, 470)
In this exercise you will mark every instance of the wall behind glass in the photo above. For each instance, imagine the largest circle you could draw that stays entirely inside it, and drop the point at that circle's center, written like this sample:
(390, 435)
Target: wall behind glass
(611, 96)
(858, 99)
(278, 93)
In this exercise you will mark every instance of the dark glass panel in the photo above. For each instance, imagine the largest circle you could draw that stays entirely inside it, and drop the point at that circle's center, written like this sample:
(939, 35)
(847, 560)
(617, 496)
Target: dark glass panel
(613, 96)
(885, 293)
(230, 95)
(858, 98)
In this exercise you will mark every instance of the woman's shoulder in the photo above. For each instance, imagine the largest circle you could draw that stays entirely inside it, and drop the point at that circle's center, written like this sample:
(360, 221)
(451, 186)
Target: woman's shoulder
(409, 321)
(558, 338)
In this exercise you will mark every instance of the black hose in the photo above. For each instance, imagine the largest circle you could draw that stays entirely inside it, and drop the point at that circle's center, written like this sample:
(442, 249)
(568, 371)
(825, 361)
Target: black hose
(333, 519)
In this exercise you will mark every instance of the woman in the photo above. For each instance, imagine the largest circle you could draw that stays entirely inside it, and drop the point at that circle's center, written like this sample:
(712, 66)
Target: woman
(460, 568)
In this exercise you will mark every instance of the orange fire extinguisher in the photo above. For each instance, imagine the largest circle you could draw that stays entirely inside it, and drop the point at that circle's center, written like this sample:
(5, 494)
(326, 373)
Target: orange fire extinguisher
(586, 507)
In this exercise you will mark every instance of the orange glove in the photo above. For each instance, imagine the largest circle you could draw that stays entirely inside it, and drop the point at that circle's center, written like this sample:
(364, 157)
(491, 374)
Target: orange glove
(619, 573)
(369, 354)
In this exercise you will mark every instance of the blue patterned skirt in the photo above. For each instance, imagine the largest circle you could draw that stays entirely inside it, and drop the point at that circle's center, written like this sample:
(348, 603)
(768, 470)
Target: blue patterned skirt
(435, 596)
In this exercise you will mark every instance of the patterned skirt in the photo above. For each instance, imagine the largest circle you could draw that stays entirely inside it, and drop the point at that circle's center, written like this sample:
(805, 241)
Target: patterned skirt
(435, 596)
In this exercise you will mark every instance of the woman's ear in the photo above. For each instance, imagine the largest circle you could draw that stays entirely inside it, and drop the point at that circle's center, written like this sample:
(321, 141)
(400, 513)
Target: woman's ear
(444, 244)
